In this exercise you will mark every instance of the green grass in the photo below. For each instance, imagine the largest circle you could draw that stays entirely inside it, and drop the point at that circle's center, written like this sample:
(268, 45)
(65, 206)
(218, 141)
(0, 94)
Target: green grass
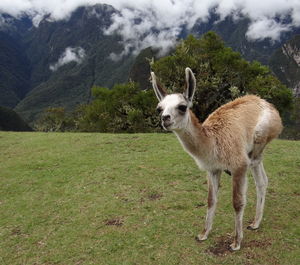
(134, 199)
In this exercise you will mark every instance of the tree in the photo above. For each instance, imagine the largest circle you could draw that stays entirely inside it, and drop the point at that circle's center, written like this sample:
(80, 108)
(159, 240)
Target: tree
(55, 120)
(221, 74)
(124, 108)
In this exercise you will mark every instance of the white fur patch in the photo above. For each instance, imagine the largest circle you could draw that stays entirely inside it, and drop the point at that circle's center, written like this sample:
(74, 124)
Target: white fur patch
(264, 120)
(170, 102)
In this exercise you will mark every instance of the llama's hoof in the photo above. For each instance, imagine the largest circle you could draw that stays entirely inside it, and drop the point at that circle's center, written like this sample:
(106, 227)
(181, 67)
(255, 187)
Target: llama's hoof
(252, 227)
(234, 246)
(201, 238)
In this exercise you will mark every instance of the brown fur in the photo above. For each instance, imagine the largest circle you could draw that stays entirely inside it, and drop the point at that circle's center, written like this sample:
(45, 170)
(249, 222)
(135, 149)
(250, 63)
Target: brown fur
(237, 188)
(231, 127)
(210, 196)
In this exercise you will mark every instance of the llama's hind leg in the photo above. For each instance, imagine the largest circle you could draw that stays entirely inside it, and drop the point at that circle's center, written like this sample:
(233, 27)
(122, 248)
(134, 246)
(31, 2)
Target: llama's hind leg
(213, 179)
(261, 182)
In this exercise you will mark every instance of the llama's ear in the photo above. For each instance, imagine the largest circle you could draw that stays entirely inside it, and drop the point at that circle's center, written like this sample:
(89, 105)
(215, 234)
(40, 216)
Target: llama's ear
(159, 90)
(190, 85)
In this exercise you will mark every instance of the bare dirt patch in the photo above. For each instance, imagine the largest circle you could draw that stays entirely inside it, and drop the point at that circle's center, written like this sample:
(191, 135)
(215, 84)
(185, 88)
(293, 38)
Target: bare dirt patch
(222, 247)
(16, 231)
(115, 221)
(153, 196)
(150, 195)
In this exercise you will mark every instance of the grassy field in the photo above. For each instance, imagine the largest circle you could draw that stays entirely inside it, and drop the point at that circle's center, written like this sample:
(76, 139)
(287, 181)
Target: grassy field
(134, 199)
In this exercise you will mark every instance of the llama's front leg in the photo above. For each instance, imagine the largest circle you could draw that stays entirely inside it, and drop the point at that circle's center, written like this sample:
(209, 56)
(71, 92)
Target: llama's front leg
(239, 201)
(213, 179)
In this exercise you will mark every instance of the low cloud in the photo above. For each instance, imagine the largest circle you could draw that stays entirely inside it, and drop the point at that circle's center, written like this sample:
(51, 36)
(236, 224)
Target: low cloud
(69, 55)
(263, 29)
(153, 23)
(159, 23)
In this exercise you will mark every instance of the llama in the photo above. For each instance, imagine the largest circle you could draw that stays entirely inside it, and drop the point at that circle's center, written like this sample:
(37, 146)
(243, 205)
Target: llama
(231, 139)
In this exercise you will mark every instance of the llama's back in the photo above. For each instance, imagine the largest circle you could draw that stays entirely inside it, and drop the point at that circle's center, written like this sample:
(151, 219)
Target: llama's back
(239, 124)
(249, 114)
(237, 117)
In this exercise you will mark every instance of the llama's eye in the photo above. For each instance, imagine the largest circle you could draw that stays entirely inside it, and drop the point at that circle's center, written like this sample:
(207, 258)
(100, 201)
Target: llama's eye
(182, 108)
(159, 110)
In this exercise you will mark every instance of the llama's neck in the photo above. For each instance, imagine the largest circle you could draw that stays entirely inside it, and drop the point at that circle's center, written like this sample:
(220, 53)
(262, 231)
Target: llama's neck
(194, 138)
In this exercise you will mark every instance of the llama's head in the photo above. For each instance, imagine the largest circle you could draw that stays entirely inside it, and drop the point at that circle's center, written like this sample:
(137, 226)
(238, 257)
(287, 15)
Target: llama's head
(173, 108)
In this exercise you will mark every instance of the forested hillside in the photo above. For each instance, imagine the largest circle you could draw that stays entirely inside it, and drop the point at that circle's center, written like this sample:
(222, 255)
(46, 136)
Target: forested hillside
(11, 121)
(14, 71)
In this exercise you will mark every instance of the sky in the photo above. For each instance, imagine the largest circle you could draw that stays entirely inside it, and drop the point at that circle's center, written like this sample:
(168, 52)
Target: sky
(162, 20)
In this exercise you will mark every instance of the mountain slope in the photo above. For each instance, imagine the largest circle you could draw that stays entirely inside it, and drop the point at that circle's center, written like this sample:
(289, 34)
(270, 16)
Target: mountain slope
(14, 71)
(233, 32)
(140, 70)
(11, 121)
(285, 63)
(70, 84)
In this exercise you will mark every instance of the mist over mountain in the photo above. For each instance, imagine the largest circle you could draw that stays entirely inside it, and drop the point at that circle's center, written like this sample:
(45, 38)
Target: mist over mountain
(53, 59)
